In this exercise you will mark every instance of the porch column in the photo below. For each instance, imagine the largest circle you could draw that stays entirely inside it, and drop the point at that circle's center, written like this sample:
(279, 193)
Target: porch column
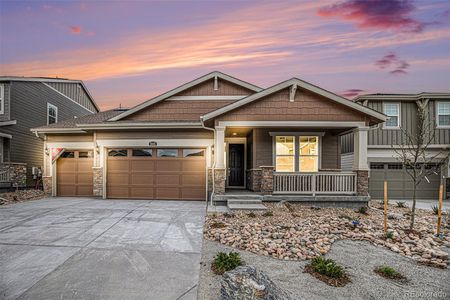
(360, 165)
(219, 154)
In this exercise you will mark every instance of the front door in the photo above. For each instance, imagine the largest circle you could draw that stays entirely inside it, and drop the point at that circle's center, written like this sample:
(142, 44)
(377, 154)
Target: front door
(236, 165)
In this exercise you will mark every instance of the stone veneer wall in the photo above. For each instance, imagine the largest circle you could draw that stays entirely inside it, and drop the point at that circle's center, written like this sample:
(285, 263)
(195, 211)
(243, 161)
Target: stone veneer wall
(447, 184)
(254, 180)
(98, 181)
(219, 181)
(17, 173)
(266, 180)
(362, 182)
(47, 183)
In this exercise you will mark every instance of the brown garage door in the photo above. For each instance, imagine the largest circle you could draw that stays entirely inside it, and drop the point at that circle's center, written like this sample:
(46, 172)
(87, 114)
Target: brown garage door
(178, 174)
(74, 174)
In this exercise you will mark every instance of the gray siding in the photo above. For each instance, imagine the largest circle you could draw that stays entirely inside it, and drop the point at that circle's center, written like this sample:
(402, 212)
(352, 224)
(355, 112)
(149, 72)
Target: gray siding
(6, 115)
(74, 91)
(29, 108)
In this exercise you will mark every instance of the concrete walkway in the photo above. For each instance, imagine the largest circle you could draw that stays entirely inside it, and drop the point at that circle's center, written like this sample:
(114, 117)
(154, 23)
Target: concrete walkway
(81, 248)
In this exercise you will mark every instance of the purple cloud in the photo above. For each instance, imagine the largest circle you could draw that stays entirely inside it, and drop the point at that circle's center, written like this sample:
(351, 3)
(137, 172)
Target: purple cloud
(391, 61)
(350, 93)
(378, 14)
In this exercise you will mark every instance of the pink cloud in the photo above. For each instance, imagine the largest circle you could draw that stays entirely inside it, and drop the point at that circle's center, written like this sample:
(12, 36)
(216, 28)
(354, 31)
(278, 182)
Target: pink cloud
(377, 14)
(75, 29)
(391, 61)
(350, 93)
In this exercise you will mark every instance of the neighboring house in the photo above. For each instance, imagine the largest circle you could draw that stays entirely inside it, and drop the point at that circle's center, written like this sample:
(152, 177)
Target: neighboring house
(28, 102)
(214, 134)
(402, 112)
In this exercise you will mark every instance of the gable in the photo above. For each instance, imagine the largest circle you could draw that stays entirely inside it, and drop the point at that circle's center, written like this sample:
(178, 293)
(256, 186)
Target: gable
(307, 106)
(224, 88)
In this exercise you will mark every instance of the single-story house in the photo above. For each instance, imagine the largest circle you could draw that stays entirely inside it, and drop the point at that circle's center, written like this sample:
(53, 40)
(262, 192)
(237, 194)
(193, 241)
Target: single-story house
(210, 136)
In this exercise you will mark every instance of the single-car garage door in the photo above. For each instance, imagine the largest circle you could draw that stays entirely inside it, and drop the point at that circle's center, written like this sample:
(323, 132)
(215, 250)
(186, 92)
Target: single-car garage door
(172, 174)
(399, 183)
(74, 175)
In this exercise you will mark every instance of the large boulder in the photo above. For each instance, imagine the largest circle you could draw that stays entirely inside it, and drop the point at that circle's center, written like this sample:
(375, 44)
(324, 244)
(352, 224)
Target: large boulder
(247, 283)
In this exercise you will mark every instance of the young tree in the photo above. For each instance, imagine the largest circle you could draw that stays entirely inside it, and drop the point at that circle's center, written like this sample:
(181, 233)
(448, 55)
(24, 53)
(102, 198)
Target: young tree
(413, 152)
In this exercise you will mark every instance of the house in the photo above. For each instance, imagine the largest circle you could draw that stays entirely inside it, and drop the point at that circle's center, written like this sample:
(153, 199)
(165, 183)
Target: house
(382, 140)
(212, 136)
(28, 102)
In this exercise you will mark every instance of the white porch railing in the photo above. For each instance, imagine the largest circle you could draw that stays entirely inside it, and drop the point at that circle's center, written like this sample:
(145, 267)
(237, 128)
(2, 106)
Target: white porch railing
(4, 176)
(315, 183)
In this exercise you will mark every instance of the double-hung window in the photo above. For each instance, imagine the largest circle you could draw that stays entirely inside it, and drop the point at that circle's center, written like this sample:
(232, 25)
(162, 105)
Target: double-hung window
(392, 110)
(443, 114)
(296, 153)
(2, 99)
(52, 114)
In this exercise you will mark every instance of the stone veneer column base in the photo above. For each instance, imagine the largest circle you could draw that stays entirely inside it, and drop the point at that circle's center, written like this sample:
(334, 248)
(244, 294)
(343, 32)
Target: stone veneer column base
(98, 181)
(254, 180)
(47, 183)
(362, 182)
(219, 181)
(447, 188)
(266, 180)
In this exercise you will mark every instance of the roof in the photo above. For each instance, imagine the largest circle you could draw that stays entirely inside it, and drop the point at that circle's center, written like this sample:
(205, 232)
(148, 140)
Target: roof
(406, 97)
(51, 79)
(298, 83)
(185, 87)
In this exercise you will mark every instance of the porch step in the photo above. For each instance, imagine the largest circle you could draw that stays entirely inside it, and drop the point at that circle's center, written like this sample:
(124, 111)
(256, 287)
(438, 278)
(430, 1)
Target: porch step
(236, 204)
(238, 197)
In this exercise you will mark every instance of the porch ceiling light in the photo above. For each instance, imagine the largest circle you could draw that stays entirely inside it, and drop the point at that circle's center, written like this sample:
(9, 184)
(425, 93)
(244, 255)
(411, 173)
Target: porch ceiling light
(234, 133)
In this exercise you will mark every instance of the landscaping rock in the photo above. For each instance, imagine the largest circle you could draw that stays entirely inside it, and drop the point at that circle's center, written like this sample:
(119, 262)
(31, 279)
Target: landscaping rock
(247, 283)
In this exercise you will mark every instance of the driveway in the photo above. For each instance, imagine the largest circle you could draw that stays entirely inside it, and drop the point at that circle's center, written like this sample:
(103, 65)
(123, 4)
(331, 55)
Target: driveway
(81, 248)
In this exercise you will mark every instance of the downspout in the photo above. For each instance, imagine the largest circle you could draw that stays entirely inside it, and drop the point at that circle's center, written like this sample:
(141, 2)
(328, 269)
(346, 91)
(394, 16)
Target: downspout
(214, 160)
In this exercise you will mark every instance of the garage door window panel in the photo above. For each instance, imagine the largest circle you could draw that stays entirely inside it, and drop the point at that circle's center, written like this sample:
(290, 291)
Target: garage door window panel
(142, 152)
(68, 154)
(193, 152)
(167, 152)
(118, 152)
(85, 154)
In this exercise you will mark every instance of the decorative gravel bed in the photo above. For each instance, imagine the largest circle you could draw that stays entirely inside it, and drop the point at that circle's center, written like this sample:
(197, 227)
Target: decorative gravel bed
(296, 232)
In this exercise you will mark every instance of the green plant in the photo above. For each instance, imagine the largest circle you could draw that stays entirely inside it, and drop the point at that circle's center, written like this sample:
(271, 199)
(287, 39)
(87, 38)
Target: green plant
(268, 213)
(251, 215)
(362, 210)
(327, 267)
(389, 235)
(224, 262)
(401, 204)
(388, 272)
(435, 209)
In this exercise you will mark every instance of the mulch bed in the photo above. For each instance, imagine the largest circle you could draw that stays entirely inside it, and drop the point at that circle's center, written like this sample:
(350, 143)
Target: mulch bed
(336, 282)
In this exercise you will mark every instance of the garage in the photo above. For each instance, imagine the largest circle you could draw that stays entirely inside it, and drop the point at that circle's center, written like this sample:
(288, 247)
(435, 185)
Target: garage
(400, 185)
(74, 175)
(151, 173)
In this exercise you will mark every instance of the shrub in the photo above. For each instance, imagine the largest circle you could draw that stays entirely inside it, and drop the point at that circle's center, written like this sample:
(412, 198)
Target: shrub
(389, 235)
(268, 213)
(435, 209)
(251, 215)
(401, 204)
(362, 210)
(388, 272)
(327, 267)
(224, 262)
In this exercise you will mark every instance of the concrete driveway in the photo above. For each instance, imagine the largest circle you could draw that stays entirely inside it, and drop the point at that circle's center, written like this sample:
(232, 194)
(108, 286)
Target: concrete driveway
(81, 248)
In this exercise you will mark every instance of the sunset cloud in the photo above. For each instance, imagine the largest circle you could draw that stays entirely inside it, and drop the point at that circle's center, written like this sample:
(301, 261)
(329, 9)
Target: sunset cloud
(75, 29)
(350, 93)
(392, 62)
(376, 14)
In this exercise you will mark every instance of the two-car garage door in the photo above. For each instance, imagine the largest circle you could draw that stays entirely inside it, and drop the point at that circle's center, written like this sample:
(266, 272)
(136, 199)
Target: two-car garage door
(156, 173)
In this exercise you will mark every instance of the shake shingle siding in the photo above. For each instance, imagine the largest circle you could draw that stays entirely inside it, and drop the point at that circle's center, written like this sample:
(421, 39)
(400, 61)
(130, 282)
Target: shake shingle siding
(28, 106)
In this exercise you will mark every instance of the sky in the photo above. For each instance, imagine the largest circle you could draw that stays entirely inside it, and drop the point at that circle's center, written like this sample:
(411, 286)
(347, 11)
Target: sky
(127, 52)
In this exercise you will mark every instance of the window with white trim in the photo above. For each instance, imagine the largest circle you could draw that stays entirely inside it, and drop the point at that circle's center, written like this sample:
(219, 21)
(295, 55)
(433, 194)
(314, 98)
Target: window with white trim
(296, 153)
(443, 114)
(52, 114)
(392, 110)
(2, 99)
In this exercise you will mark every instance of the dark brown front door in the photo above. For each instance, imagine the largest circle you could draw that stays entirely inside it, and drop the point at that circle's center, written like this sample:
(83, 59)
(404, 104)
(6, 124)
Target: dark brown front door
(236, 165)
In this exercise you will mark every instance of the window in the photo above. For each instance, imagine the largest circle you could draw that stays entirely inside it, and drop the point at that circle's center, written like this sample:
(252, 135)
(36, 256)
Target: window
(193, 152)
(85, 154)
(377, 166)
(117, 152)
(52, 114)
(68, 154)
(167, 152)
(142, 152)
(392, 110)
(395, 166)
(309, 154)
(2, 99)
(285, 153)
(443, 114)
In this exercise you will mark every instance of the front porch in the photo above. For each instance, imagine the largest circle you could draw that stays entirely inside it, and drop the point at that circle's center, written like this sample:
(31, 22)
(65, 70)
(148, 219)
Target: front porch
(301, 163)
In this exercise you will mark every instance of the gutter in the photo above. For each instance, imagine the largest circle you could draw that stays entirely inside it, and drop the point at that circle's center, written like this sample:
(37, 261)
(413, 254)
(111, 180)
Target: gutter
(214, 161)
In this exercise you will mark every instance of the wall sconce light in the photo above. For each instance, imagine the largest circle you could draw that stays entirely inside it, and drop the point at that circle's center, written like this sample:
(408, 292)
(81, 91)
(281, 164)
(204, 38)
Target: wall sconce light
(97, 149)
(47, 152)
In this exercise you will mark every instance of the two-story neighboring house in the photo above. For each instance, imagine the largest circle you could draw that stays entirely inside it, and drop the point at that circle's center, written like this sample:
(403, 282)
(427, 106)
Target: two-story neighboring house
(402, 112)
(27, 102)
